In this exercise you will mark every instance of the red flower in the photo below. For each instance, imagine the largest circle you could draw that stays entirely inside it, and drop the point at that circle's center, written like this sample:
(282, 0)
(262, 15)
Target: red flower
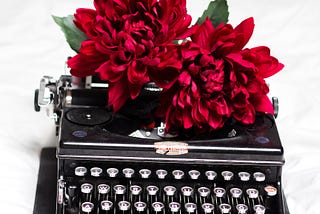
(124, 39)
(212, 78)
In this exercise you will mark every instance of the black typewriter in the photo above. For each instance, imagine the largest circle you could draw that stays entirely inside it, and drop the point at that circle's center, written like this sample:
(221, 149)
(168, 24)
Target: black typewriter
(109, 163)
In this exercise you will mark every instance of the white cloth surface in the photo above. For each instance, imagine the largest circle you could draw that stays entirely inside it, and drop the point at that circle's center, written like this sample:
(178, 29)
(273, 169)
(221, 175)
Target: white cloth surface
(32, 45)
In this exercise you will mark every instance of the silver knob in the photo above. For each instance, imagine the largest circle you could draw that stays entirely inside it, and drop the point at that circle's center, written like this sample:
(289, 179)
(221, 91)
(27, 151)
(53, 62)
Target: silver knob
(119, 189)
(242, 208)
(152, 190)
(124, 205)
(204, 191)
(187, 191)
(174, 207)
(169, 190)
(236, 192)
(135, 190)
(225, 208)
(207, 207)
(140, 206)
(86, 188)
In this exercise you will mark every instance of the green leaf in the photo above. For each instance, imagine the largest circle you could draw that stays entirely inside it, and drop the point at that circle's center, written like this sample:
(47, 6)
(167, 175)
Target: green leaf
(73, 35)
(217, 12)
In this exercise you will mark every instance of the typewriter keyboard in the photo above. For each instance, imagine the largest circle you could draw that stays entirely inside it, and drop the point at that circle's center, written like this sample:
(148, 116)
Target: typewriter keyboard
(162, 191)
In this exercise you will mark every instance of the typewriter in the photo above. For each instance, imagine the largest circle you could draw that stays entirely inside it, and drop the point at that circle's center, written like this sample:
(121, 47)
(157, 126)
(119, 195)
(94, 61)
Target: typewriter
(109, 163)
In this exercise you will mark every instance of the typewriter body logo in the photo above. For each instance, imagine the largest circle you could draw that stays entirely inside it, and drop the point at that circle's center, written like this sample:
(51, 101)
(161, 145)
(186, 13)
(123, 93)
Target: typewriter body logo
(171, 148)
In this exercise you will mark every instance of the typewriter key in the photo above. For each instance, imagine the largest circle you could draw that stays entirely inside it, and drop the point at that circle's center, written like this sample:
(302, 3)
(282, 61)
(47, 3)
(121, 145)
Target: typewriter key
(161, 173)
(244, 176)
(106, 205)
(187, 191)
(225, 208)
(194, 174)
(169, 190)
(96, 171)
(145, 173)
(124, 205)
(190, 207)
(119, 189)
(103, 190)
(211, 175)
(178, 174)
(152, 190)
(128, 172)
(252, 193)
(86, 190)
(259, 209)
(174, 207)
(259, 176)
(236, 192)
(219, 192)
(207, 208)
(87, 207)
(140, 207)
(227, 175)
(135, 190)
(80, 171)
(112, 172)
(158, 207)
(242, 208)
(204, 191)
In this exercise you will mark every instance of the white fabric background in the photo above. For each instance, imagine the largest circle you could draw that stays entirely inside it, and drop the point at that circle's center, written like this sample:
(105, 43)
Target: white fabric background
(31, 45)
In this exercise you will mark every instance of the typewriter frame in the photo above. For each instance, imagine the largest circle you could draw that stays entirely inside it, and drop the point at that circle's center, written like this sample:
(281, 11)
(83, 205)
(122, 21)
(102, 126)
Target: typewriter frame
(59, 97)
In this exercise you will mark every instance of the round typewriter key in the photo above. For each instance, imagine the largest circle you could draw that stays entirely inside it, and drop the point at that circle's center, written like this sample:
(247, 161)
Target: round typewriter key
(242, 208)
(161, 173)
(145, 173)
(80, 171)
(190, 207)
(178, 174)
(219, 192)
(211, 175)
(128, 172)
(225, 208)
(124, 205)
(271, 190)
(140, 206)
(244, 176)
(103, 189)
(87, 207)
(194, 174)
(236, 192)
(86, 188)
(169, 190)
(186, 191)
(204, 191)
(252, 193)
(106, 205)
(112, 172)
(259, 176)
(174, 207)
(135, 190)
(119, 189)
(152, 190)
(96, 171)
(227, 175)
(207, 207)
(157, 206)
(259, 209)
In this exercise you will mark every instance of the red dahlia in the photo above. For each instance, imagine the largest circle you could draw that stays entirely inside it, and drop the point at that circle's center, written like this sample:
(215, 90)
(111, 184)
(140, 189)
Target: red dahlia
(124, 39)
(212, 78)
